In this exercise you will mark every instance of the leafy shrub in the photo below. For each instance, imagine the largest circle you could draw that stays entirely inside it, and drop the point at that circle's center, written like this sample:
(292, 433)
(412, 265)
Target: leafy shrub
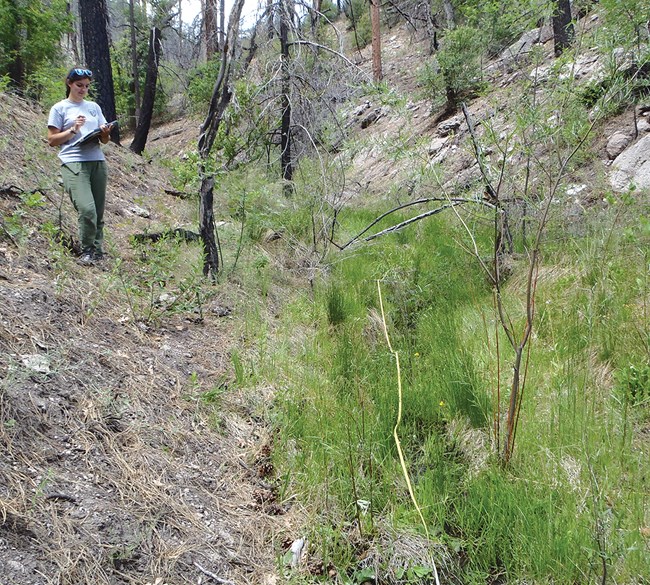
(202, 83)
(359, 16)
(456, 71)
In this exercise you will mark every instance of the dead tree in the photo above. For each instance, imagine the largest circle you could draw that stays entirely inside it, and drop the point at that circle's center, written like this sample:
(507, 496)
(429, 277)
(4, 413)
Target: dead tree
(285, 125)
(94, 32)
(221, 96)
(376, 41)
(563, 31)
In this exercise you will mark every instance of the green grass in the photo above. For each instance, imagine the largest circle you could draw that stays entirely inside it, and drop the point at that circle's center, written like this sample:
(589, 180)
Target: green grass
(574, 498)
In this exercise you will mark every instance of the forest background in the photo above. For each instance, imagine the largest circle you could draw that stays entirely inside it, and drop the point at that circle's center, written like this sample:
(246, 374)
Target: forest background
(377, 302)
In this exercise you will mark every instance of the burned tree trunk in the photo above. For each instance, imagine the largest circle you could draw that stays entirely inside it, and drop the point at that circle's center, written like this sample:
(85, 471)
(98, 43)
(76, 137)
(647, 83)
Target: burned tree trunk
(149, 97)
(376, 41)
(94, 31)
(285, 126)
(562, 27)
(221, 96)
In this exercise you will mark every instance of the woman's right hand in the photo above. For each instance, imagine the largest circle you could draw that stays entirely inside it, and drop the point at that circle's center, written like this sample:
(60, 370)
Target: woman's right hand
(78, 123)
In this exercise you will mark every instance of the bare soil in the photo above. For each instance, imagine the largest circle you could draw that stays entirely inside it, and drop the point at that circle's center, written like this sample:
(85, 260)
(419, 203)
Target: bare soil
(127, 456)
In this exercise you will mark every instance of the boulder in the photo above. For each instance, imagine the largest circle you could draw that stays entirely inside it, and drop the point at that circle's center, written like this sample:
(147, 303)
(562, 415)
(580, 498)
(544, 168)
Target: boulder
(632, 167)
(643, 126)
(449, 126)
(526, 42)
(437, 144)
(616, 144)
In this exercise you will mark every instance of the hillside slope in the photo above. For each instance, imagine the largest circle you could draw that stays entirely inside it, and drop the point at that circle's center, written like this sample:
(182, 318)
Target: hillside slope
(113, 466)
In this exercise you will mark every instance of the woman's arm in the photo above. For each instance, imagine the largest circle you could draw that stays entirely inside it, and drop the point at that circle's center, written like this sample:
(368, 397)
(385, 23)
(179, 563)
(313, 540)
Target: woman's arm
(57, 137)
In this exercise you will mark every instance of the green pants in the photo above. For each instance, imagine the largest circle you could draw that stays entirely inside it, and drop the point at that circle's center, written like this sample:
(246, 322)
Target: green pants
(85, 182)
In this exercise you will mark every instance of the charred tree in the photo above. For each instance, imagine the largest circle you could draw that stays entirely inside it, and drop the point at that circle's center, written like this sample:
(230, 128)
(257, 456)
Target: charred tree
(221, 96)
(94, 32)
(285, 125)
(149, 96)
(376, 41)
(134, 63)
(563, 31)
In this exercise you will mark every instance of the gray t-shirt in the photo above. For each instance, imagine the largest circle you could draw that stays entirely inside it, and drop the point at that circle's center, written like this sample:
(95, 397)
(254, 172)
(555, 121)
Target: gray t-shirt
(63, 115)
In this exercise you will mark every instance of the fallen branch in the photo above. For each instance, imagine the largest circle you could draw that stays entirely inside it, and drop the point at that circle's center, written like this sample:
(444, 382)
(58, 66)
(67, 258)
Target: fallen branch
(187, 235)
(450, 202)
(179, 194)
(213, 576)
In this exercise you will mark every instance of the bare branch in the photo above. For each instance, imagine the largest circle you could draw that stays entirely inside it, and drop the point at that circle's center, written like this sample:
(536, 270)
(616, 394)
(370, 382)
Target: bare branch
(452, 202)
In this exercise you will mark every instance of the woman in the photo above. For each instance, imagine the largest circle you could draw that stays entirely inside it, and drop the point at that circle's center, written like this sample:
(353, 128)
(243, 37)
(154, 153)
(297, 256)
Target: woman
(83, 165)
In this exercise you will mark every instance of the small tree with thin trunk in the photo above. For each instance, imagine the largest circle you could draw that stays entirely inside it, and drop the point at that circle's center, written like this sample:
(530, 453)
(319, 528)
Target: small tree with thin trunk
(377, 74)
(221, 96)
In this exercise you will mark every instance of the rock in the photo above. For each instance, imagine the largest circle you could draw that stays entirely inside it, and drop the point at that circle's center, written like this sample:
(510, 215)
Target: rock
(588, 66)
(296, 551)
(139, 211)
(643, 126)
(361, 109)
(371, 117)
(449, 126)
(221, 311)
(166, 299)
(575, 189)
(632, 167)
(616, 144)
(524, 45)
(36, 362)
(437, 144)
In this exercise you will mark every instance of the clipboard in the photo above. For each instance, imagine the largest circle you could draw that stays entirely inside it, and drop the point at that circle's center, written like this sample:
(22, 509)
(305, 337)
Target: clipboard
(90, 138)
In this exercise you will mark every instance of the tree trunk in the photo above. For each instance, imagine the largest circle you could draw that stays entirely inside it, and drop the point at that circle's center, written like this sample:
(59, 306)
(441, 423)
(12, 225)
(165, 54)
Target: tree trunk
(450, 15)
(134, 64)
(221, 96)
(73, 37)
(562, 27)
(210, 19)
(285, 127)
(222, 24)
(269, 19)
(94, 32)
(16, 67)
(149, 97)
(315, 17)
(376, 41)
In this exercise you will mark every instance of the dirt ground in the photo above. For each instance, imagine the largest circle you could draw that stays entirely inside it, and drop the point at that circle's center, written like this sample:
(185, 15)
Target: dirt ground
(126, 456)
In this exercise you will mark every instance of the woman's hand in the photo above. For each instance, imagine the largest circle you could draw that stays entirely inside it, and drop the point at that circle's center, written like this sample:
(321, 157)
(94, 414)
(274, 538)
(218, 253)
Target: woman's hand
(78, 123)
(106, 132)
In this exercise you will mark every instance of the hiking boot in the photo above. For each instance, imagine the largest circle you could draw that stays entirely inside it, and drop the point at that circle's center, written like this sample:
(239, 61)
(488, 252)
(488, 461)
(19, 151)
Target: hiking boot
(87, 257)
(98, 255)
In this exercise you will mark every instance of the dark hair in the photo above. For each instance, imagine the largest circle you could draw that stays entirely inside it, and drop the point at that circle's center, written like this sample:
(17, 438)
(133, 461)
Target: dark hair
(75, 74)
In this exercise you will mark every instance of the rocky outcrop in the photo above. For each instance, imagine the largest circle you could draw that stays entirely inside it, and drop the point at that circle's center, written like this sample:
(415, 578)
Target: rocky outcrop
(632, 167)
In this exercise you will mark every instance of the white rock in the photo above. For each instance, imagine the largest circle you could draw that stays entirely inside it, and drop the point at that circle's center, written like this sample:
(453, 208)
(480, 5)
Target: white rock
(643, 126)
(36, 362)
(575, 189)
(632, 167)
(139, 211)
(437, 144)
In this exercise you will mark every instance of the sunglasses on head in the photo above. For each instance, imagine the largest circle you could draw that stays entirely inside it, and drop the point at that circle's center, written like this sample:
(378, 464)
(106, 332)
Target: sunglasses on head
(81, 73)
